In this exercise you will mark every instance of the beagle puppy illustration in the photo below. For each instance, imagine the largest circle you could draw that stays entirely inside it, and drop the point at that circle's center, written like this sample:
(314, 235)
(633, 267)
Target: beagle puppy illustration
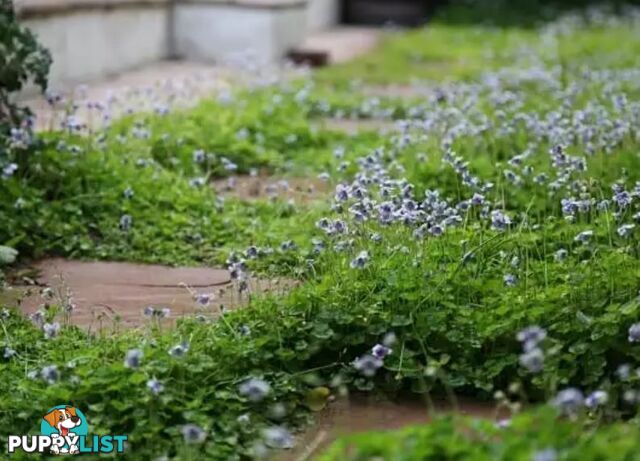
(63, 419)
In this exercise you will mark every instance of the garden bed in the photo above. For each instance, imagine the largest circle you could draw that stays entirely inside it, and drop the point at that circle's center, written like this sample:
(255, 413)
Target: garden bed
(486, 248)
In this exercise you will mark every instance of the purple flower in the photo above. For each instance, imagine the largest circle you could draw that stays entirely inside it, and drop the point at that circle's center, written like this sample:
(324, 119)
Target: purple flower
(125, 222)
(179, 350)
(560, 255)
(584, 237)
(50, 374)
(9, 169)
(569, 401)
(499, 220)
(533, 360)
(252, 252)
(624, 371)
(342, 193)
(199, 156)
(531, 335)
(596, 399)
(193, 434)
(204, 299)
(133, 358)
(625, 230)
(548, 454)
(278, 437)
(51, 329)
(360, 261)
(477, 199)
(510, 280)
(380, 351)
(157, 312)
(367, 365)
(155, 386)
(8, 352)
(634, 333)
(255, 389)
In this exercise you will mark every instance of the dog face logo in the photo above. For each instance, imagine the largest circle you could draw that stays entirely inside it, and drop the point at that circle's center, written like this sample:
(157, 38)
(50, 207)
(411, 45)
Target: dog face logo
(63, 419)
(67, 423)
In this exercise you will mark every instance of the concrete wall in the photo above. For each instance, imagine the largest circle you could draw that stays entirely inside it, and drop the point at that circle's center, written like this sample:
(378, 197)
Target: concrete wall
(214, 31)
(96, 43)
(322, 14)
(94, 39)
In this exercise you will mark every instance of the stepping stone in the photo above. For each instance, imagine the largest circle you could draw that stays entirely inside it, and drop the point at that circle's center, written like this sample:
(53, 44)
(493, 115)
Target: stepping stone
(358, 414)
(105, 291)
(246, 187)
(337, 45)
(397, 91)
(167, 83)
(355, 126)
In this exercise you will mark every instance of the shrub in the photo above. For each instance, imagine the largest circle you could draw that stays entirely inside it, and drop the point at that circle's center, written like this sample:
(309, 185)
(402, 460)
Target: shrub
(22, 59)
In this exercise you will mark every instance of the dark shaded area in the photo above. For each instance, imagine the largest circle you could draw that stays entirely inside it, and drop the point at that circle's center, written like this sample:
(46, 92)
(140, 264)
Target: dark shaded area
(520, 13)
(380, 12)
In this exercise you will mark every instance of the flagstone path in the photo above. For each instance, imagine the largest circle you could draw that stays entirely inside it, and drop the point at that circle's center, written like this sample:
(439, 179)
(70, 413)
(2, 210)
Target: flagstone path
(362, 413)
(109, 293)
(246, 187)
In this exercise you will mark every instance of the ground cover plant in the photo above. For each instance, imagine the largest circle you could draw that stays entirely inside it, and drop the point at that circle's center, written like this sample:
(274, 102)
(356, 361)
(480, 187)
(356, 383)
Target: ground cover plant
(535, 436)
(486, 246)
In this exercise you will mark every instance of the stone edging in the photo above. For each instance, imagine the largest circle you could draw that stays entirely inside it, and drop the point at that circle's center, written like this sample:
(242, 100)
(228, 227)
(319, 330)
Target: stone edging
(27, 9)
(42, 8)
(254, 4)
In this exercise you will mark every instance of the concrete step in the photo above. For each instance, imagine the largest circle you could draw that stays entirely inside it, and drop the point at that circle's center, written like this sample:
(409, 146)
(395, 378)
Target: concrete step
(336, 45)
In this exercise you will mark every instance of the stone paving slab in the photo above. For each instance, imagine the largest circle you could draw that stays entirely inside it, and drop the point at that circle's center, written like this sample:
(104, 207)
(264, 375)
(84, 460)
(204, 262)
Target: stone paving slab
(342, 43)
(412, 91)
(246, 187)
(151, 88)
(355, 126)
(357, 414)
(104, 291)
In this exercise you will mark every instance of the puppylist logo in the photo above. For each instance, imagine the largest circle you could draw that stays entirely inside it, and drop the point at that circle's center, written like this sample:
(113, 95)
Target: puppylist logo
(64, 430)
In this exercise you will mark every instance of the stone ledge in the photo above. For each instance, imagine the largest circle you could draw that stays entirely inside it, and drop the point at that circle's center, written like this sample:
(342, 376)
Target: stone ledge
(27, 9)
(254, 4)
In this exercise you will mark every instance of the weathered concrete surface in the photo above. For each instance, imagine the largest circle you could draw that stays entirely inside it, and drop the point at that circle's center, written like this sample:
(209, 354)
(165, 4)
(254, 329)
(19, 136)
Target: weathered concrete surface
(103, 292)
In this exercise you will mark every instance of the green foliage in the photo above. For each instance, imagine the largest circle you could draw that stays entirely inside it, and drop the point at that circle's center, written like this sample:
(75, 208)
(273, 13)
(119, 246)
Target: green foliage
(445, 298)
(528, 437)
(22, 59)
